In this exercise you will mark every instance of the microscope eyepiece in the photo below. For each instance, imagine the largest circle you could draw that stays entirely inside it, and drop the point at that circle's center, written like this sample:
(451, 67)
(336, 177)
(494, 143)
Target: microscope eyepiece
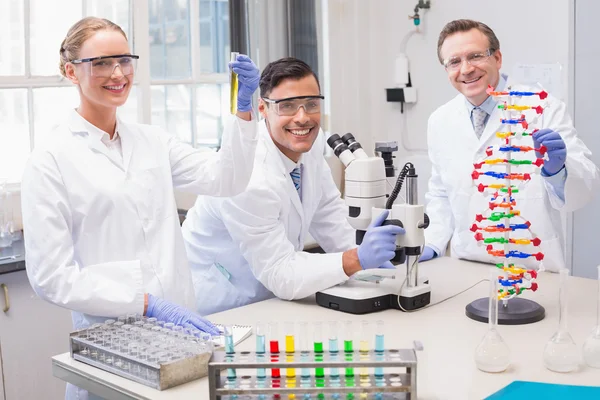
(335, 142)
(349, 139)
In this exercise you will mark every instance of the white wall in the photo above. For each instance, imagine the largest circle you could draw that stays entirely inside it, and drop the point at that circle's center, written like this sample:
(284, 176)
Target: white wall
(365, 37)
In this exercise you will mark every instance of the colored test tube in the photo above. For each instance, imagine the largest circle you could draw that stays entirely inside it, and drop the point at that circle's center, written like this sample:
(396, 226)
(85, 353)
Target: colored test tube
(365, 339)
(259, 332)
(229, 349)
(379, 346)
(349, 346)
(334, 332)
(303, 345)
(274, 347)
(290, 348)
(318, 347)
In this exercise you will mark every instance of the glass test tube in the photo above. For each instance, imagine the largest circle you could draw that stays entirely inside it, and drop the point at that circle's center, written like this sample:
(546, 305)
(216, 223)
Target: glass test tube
(334, 332)
(364, 349)
(259, 332)
(379, 346)
(233, 86)
(318, 349)
(290, 348)
(304, 350)
(274, 347)
(229, 349)
(349, 347)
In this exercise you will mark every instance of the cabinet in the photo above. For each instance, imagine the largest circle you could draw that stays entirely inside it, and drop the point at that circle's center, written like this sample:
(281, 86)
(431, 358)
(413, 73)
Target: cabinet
(1, 382)
(31, 332)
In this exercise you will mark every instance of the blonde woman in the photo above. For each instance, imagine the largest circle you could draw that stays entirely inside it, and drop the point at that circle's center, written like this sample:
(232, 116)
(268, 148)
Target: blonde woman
(102, 233)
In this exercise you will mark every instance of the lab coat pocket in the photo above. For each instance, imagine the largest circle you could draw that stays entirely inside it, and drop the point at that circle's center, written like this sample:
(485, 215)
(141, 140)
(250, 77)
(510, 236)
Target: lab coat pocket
(149, 191)
(214, 291)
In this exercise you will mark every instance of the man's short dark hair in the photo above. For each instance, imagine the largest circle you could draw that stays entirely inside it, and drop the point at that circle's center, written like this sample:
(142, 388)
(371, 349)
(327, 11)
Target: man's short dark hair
(465, 25)
(284, 68)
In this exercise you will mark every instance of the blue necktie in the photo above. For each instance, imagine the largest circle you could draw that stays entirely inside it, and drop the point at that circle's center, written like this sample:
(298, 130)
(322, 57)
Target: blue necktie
(295, 174)
(479, 116)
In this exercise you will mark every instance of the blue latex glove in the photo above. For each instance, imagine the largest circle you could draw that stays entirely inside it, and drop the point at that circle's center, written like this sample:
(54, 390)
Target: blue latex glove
(169, 312)
(428, 254)
(379, 244)
(248, 78)
(557, 150)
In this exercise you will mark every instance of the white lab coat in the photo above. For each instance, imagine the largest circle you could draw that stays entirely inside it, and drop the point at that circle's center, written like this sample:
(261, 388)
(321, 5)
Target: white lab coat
(248, 248)
(453, 200)
(99, 233)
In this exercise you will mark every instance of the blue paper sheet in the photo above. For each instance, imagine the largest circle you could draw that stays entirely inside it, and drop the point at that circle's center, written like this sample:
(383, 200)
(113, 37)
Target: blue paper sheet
(548, 391)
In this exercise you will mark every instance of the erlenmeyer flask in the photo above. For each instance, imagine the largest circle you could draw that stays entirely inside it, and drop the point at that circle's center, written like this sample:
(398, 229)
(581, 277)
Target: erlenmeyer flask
(591, 347)
(561, 353)
(492, 354)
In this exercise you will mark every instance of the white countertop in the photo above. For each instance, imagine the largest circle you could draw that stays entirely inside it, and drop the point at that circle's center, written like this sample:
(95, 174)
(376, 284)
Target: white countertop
(446, 369)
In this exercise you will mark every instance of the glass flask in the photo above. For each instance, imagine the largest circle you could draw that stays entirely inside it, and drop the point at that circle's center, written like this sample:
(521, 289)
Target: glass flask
(561, 353)
(591, 347)
(492, 354)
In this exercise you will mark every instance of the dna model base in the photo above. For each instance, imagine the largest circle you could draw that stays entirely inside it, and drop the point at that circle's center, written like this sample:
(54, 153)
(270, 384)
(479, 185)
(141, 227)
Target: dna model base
(518, 311)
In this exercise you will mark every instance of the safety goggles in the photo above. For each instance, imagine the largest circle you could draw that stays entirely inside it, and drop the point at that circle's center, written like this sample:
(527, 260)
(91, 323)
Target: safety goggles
(475, 59)
(290, 106)
(104, 66)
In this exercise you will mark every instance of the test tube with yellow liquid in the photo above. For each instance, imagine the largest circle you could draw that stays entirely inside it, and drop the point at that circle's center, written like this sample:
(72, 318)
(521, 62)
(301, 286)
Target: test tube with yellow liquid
(233, 86)
(290, 349)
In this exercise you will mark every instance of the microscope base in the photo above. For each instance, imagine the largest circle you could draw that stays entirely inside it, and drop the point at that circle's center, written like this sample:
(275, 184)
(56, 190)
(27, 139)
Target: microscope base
(519, 311)
(360, 297)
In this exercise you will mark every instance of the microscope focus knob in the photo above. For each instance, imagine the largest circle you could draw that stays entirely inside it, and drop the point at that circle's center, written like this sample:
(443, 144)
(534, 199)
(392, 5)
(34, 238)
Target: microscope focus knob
(396, 222)
(425, 223)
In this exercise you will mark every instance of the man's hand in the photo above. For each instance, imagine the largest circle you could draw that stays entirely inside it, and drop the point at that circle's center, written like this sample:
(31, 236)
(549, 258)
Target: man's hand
(557, 150)
(428, 254)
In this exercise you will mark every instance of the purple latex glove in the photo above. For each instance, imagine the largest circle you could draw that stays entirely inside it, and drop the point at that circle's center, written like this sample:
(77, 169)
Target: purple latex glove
(557, 150)
(248, 78)
(379, 244)
(428, 254)
(166, 311)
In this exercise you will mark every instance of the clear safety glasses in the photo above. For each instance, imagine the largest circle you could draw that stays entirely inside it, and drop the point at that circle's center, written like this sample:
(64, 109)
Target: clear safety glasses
(290, 106)
(475, 59)
(105, 66)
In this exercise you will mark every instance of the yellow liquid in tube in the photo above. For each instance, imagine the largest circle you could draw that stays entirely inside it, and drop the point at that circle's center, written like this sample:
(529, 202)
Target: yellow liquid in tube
(233, 84)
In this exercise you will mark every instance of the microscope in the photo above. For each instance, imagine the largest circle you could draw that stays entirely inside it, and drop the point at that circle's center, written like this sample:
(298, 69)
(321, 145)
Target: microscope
(366, 198)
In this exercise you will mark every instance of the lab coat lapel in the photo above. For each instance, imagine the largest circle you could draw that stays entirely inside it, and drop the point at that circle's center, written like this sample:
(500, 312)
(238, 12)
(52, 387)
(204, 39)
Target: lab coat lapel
(127, 145)
(275, 160)
(489, 133)
(95, 144)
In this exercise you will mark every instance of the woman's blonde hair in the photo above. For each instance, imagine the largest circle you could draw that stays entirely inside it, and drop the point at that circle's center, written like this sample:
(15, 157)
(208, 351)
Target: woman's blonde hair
(78, 34)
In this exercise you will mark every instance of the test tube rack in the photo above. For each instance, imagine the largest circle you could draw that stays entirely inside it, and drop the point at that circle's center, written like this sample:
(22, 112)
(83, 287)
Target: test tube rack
(223, 387)
(152, 371)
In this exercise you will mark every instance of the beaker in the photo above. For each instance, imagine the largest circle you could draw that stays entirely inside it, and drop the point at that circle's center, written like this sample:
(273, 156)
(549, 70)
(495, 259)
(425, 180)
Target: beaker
(492, 354)
(561, 353)
(591, 347)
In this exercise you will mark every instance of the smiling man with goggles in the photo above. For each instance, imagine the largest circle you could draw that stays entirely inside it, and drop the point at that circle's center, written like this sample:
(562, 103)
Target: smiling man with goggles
(104, 66)
(290, 106)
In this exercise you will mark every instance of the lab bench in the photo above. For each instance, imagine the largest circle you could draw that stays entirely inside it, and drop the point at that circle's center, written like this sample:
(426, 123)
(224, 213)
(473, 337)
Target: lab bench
(12, 258)
(446, 365)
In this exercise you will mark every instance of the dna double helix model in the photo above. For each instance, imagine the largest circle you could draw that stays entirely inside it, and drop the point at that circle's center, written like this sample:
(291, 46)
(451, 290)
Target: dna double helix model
(501, 228)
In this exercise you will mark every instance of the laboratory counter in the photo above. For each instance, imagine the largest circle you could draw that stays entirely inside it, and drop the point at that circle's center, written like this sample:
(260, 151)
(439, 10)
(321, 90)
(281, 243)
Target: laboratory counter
(12, 258)
(446, 367)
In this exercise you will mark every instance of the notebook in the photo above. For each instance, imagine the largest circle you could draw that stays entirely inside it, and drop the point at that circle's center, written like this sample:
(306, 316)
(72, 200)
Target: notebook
(240, 332)
(548, 391)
